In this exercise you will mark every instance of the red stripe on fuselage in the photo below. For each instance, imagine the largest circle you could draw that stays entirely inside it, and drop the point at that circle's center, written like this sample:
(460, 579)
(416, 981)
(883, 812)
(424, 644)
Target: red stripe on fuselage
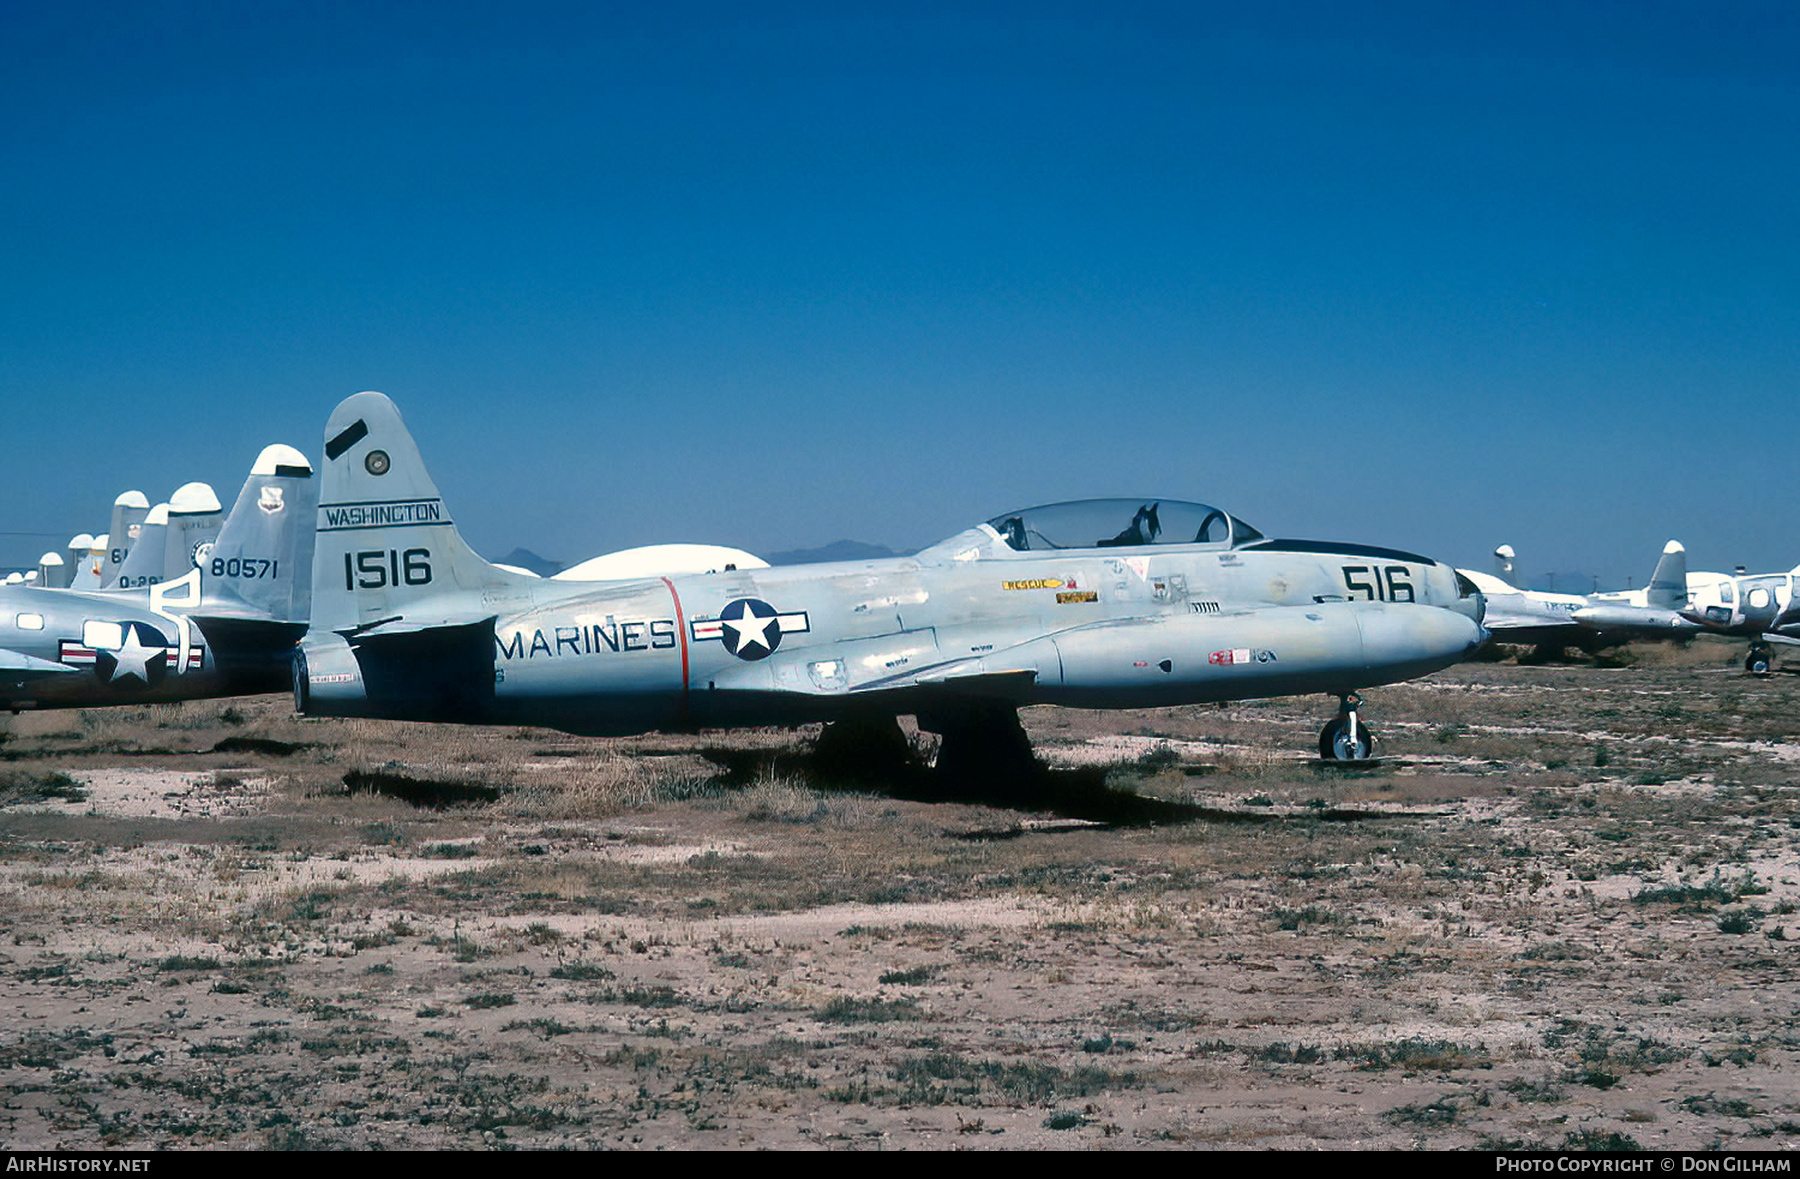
(680, 629)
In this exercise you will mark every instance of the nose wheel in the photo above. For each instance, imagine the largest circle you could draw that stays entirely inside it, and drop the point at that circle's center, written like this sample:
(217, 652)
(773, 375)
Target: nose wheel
(1761, 660)
(1345, 738)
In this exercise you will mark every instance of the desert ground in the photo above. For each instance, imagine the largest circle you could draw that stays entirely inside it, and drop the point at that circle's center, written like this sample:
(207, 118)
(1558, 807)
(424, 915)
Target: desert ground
(1561, 911)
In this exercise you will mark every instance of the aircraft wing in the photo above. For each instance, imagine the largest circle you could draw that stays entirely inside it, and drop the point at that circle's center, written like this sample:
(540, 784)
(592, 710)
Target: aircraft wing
(17, 667)
(1499, 620)
(906, 663)
(970, 680)
(1517, 626)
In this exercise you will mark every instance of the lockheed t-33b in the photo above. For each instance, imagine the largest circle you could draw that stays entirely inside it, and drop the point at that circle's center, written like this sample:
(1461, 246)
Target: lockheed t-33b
(1100, 604)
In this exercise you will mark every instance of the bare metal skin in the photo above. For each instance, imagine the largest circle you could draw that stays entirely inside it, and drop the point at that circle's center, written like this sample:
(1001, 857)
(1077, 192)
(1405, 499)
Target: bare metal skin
(1154, 603)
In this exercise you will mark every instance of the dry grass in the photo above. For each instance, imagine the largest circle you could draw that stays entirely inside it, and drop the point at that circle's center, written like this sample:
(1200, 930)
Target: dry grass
(1562, 912)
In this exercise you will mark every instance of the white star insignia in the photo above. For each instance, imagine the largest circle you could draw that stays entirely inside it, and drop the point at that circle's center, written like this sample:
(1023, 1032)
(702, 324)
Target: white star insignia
(133, 659)
(751, 629)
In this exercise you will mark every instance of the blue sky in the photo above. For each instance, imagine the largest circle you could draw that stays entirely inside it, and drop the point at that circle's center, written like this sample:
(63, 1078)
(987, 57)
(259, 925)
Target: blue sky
(771, 275)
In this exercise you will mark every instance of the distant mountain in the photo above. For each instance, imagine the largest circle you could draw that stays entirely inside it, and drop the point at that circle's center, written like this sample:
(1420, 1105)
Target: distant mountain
(837, 550)
(526, 559)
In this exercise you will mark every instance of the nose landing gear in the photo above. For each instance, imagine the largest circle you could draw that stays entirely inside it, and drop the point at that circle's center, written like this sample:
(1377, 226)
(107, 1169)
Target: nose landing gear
(1761, 660)
(1344, 738)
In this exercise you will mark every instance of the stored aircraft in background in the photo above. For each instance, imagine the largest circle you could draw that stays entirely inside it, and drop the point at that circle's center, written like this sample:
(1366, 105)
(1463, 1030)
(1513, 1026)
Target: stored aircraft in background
(92, 562)
(147, 546)
(130, 510)
(1551, 621)
(1101, 604)
(225, 628)
(175, 538)
(1758, 606)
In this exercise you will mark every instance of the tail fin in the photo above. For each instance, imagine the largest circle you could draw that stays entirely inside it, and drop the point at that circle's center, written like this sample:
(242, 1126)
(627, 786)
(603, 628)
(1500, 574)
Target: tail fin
(128, 515)
(387, 548)
(53, 571)
(87, 560)
(143, 565)
(1503, 564)
(260, 565)
(1668, 585)
(193, 522)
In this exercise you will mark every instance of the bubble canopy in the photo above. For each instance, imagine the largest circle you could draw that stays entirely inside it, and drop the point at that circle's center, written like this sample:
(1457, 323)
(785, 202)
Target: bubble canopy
(1121, 523)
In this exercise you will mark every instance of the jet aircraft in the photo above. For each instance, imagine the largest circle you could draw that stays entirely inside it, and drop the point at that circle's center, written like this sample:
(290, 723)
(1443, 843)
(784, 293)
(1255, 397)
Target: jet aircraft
(225, 628)
(1103, 604)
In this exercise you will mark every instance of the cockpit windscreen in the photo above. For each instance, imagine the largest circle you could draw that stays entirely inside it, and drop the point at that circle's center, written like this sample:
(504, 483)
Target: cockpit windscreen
(1121, 523)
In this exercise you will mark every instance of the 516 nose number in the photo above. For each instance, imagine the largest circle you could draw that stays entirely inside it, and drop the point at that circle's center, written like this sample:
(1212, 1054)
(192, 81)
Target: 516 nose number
(375, 568)
(1388, 584)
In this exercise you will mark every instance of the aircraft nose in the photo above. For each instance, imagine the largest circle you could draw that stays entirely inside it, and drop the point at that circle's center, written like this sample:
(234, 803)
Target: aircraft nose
(1420, 636)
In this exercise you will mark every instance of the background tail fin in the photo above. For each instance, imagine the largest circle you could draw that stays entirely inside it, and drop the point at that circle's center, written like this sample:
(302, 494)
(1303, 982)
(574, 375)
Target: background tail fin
(143, 565)
(128, 515)
(387, 547)
(86, 559)
(260, 564)
(193, 523)
(1668, 585)
(1503, 564)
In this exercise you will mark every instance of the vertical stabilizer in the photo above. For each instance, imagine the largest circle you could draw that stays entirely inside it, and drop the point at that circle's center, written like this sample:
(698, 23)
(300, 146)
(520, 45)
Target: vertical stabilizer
(83, 575)
(143, 565)
(260, 564)
(92, 574)
(128, 515)
(1668, 585)
(193, 522)
(1503, 564)
(387, 547)
(53, 571)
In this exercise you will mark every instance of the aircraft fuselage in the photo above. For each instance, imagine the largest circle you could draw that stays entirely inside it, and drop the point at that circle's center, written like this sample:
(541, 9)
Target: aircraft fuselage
(970, 618)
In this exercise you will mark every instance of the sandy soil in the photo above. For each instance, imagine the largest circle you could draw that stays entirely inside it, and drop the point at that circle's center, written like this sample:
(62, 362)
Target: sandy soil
(1561, 911)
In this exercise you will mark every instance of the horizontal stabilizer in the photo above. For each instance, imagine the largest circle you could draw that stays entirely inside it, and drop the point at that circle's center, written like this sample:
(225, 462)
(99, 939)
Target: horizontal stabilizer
(387, 628)
(15, 666)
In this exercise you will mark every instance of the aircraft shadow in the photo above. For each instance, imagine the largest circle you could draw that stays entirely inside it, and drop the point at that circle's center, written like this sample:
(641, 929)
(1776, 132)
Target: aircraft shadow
(1079, 793)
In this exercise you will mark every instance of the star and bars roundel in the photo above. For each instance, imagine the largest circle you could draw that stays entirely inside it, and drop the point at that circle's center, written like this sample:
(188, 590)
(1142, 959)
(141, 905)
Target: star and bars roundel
(750, 628)
(142, 654)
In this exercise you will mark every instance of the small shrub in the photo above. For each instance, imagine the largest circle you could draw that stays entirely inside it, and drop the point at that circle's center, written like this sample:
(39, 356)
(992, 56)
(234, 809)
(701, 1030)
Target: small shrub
(1595, 1140)
(1740, 921)
(849, 1009)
